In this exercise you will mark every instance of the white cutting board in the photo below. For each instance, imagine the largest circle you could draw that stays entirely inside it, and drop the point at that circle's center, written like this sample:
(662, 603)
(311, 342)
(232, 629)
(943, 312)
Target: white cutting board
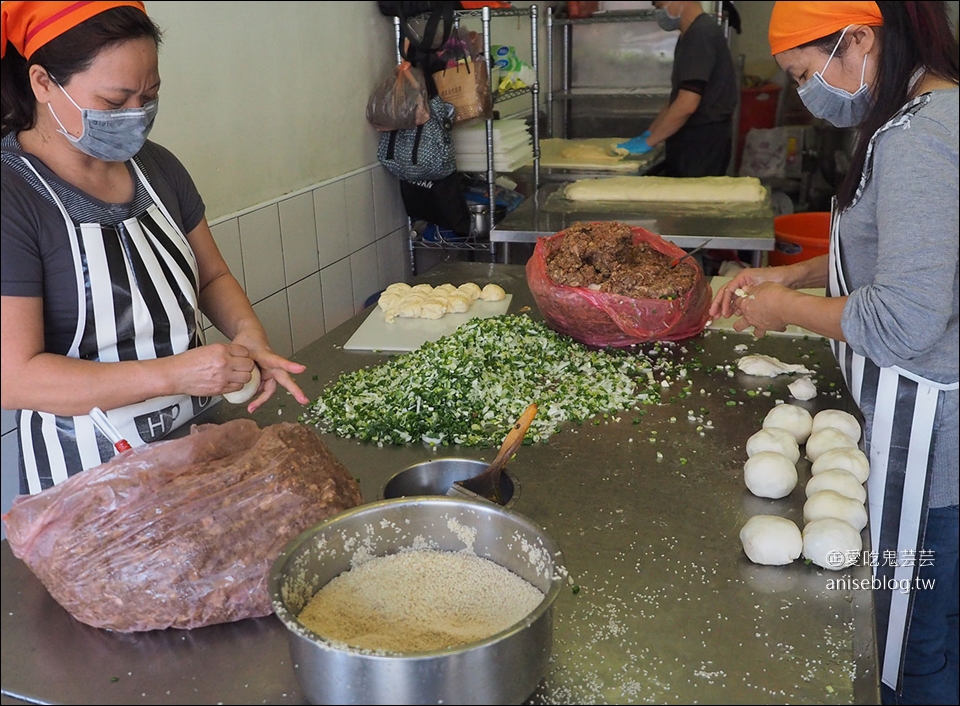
(727, 324)
(403, 335)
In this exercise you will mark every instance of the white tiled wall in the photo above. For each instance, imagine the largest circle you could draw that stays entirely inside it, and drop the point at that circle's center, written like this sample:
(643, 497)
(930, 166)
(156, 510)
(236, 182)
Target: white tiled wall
(308, 261)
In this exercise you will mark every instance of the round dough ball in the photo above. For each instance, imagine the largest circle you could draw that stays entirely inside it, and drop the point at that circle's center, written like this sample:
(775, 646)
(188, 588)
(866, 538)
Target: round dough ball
(433, 309)
(795, 419)
(388, 299)
(844, 458)
(409, 306)
(838, 419)
(398, 287)
(427, 288)
(446, 288)
(245, 393)
(826, 439)
(829, 503)
(774, 439)
(471, 289)
(458, 302)
(838, 480)
(771, 540)
(768, 474)
(492, 293)
(831, 543)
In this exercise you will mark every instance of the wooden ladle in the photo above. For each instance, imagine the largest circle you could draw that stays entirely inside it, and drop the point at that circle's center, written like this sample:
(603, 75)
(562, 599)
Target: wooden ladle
(486, 484)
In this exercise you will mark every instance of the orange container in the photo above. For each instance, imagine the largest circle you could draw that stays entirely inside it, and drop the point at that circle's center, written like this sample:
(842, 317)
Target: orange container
(800, 236)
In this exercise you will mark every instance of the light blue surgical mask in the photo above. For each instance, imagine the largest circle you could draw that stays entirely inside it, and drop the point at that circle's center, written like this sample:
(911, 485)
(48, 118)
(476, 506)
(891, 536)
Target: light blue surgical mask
(838, 107)
(667, 22)
(111, 135)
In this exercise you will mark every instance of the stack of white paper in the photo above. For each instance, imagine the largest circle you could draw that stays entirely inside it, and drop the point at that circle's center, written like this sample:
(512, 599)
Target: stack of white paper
(512, 145)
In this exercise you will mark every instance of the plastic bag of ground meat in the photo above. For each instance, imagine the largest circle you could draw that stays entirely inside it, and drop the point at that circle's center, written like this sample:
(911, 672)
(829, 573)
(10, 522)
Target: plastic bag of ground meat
(608, 284)
(179, 533)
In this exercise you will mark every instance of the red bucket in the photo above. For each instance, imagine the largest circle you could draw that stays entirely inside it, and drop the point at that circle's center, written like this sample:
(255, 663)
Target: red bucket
(800, 236)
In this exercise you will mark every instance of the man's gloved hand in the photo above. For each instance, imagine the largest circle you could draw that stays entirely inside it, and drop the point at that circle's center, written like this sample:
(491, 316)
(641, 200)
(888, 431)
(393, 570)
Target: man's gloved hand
(636, 145)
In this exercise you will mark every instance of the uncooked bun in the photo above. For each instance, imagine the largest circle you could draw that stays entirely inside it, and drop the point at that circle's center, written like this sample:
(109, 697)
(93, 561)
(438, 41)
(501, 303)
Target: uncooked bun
(774, 439)
(831, 543)
(830, 503)
(795, 419)
(771, 540)
(845, 458)
(838, 480)
(492, 293)
(826, 439)
(768, 474)
(838, 419)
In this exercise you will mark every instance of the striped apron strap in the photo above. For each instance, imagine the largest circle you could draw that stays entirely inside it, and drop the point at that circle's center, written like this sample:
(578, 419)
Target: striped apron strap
(137, 300)
(900, 410)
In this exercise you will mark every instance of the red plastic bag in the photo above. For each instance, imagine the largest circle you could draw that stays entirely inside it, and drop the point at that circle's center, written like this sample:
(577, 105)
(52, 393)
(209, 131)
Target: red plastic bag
(603, 319)
(179, 533)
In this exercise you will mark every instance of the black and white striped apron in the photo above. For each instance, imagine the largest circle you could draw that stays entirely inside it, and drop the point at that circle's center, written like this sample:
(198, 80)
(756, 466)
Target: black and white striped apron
(899, 443)
(137, 296)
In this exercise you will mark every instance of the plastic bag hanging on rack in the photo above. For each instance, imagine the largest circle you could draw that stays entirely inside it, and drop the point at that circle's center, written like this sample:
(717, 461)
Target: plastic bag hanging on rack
(400, 102)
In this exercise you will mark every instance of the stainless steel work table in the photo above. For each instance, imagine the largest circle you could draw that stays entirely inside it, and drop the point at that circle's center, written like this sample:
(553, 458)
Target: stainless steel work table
(668, 609)
(539, 215)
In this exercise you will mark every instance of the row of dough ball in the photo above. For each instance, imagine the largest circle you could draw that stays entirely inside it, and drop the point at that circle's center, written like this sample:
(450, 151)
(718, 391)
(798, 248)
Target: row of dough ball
(424, 301)
(834, 512)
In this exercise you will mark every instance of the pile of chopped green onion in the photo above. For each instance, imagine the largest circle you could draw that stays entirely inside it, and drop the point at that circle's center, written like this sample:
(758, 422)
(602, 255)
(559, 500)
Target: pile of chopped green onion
(468, 388)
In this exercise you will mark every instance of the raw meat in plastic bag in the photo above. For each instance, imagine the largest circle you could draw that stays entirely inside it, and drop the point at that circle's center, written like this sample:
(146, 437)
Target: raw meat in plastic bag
(606, 319)
(179, 533)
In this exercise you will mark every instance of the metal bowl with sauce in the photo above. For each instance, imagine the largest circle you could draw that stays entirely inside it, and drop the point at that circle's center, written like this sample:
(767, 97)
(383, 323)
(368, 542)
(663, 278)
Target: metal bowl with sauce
(504, 668)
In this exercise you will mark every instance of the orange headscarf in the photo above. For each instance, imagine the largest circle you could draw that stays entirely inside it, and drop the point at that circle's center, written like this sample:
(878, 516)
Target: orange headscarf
(30, 25)
(796, 23)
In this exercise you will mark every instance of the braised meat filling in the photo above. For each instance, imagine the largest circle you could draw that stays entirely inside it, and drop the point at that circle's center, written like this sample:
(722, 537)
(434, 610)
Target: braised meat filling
(603, 257)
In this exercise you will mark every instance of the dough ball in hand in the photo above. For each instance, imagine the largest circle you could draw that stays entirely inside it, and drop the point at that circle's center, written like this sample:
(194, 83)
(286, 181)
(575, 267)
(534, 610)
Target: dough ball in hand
(794, 418)
(831, 543)
(492, 293)
(774, 439)
(844, 458)
(829, 503)
(838, 480)
(826, 439)
(245, 393)
(771, 540)
(838, 419)
(768, 474)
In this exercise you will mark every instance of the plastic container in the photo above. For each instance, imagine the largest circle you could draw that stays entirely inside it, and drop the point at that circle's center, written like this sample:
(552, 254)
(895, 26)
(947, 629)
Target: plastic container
(758, 109)
(800, 236)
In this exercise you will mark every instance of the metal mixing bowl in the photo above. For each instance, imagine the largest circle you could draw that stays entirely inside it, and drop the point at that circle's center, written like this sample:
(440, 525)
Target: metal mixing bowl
(502, 669)
(435, 478)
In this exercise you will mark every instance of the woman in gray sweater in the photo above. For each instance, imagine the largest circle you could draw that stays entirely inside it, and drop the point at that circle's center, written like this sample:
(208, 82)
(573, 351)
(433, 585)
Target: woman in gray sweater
(890, 68)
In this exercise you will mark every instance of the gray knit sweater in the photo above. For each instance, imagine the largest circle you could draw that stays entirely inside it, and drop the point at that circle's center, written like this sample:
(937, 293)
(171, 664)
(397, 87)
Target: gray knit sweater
(900, 244)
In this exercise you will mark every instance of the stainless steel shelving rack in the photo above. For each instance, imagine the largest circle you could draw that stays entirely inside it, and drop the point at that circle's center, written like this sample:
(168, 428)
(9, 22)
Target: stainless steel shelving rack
(481, 242)
(567, 91)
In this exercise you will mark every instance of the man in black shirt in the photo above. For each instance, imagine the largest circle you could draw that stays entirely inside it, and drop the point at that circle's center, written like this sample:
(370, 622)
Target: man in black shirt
(697, 123)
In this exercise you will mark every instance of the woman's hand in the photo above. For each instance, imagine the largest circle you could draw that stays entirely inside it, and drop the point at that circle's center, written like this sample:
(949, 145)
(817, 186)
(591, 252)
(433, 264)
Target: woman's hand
(762, 306)
(274, 369)
(726, 301)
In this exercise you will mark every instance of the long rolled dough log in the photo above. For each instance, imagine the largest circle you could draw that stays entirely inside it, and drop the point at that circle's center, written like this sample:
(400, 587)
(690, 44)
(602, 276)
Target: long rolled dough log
(668, 189)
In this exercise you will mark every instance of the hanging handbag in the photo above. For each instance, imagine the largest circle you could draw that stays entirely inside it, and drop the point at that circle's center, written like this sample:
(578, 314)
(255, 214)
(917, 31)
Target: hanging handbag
(424, 153)
(442, 202)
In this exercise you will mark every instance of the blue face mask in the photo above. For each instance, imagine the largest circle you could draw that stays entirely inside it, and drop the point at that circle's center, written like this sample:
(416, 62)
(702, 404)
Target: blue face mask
(667, 22)
(838, 107)
(111, 135)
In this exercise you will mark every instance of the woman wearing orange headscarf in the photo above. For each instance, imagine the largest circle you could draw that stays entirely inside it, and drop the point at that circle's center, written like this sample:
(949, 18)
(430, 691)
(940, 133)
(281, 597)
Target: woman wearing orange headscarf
(891, 69)
(106, 253)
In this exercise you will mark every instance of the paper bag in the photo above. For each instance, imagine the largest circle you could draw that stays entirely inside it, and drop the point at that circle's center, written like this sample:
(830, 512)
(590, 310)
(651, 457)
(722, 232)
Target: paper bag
(466, 86)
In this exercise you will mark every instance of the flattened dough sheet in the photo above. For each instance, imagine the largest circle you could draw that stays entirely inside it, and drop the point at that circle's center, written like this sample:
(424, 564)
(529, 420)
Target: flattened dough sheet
(657, 189)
